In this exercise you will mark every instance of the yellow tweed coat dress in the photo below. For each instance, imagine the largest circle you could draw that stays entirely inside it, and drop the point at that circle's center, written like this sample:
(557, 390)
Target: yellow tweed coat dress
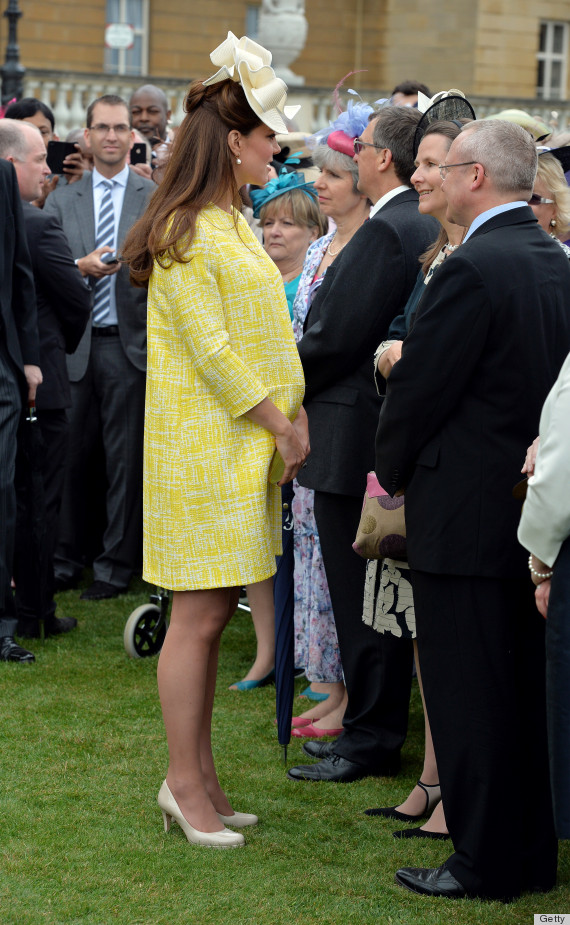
(219, 341)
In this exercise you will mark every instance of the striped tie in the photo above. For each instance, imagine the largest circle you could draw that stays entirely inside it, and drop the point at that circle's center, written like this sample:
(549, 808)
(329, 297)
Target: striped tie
(105, 236)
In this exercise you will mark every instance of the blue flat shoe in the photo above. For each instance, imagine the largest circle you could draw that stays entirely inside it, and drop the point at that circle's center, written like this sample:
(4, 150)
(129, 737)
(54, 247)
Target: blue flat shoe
(313, 695)
(251, 685)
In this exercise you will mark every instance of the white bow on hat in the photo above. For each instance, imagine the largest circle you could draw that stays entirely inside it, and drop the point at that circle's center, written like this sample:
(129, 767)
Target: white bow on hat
(248, 63)
(424, 102)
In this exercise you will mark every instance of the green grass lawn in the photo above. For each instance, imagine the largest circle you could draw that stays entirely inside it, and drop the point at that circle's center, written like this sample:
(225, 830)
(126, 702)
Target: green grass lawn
(83, 755)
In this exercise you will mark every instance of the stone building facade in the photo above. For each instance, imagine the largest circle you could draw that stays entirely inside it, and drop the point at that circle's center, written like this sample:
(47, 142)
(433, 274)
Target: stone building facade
(501, 53)
(485, 47)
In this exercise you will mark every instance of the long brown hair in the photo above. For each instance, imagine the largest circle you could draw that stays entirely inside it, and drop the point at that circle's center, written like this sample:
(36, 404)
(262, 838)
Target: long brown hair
(199, 171)
(449, 130)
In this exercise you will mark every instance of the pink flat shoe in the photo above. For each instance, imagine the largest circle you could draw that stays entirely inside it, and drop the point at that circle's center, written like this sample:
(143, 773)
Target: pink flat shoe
(299, 721)
(313, 732)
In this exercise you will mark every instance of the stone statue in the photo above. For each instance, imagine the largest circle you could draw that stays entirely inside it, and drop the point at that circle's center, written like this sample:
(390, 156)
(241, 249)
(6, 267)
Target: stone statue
(283, 30)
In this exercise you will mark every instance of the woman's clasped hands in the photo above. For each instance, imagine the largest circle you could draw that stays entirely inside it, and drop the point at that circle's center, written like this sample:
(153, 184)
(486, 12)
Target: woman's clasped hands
(294, 446)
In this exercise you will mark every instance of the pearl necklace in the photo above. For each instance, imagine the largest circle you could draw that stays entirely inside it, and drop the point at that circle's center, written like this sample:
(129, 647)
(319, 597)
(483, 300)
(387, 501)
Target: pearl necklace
(332, 253)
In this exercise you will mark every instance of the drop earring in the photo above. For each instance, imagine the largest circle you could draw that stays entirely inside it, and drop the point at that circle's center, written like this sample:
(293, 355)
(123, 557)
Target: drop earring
(238, 160)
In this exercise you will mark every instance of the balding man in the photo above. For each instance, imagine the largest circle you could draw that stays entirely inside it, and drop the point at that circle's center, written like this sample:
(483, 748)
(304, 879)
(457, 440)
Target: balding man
(19, 377)
(462, 405)
(63, 306)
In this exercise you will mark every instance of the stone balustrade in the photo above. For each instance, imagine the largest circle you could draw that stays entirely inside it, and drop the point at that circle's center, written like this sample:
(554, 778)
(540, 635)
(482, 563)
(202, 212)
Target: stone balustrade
(69, 95)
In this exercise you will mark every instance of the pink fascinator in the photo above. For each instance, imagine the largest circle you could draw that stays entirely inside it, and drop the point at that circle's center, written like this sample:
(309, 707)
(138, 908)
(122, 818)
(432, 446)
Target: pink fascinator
(349, 124)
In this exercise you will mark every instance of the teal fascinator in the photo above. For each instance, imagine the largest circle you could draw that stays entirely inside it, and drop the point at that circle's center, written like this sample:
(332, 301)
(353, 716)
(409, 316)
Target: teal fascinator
(284, 183)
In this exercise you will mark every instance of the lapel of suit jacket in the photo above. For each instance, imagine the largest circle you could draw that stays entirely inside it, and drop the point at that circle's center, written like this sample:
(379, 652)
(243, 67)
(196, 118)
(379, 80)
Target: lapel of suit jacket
(408, 195)
(84, 213)
(132, 203)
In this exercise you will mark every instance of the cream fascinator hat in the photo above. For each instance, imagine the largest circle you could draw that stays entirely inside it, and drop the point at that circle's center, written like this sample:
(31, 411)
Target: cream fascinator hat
(248, 63)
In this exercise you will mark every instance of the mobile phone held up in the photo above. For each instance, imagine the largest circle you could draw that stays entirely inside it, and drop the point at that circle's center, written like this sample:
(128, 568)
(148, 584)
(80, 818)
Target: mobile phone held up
(57, 151)
(139, 153)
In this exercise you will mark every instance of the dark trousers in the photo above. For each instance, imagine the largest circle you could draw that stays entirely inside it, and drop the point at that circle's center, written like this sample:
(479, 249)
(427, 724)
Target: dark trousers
(33, 563)
(108, 402)
(377, 667)
(481, 649)
(10, 406)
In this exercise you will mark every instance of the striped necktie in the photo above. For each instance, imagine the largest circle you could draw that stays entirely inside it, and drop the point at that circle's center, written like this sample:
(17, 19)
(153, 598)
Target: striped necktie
(105, 236)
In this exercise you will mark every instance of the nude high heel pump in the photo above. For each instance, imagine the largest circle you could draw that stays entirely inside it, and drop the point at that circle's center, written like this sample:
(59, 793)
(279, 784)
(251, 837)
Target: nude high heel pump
(238, 820)
(170, 810)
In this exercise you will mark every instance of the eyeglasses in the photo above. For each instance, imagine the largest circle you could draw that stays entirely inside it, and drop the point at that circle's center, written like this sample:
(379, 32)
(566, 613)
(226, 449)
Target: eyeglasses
(105, 129)
(443, 168)
(540, 200)
(358, 145)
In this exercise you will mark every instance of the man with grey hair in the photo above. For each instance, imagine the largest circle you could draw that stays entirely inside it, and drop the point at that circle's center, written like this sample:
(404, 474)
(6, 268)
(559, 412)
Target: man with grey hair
(63, 305)
(363, 290)
(462, 405)
(20, 375)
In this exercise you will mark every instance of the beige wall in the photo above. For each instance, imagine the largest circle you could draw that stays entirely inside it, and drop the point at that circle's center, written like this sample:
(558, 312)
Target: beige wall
(183, 34)
(431, 41)
(59, 34)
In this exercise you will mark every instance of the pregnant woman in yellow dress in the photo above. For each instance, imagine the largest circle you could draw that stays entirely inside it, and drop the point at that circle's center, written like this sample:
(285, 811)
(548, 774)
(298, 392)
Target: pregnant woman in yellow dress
(224, 390)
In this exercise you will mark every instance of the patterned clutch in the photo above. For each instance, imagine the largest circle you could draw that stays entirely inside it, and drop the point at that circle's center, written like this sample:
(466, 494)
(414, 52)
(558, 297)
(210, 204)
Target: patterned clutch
(382, 529)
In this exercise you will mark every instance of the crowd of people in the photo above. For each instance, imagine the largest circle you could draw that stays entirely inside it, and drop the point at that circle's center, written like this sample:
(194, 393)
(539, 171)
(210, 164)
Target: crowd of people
(222, 333)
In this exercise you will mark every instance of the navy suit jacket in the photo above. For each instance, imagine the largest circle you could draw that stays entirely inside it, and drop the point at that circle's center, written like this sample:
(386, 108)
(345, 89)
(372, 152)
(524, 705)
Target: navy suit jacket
(366, 286)
(463, 403)
(18, 319)
(63, 304)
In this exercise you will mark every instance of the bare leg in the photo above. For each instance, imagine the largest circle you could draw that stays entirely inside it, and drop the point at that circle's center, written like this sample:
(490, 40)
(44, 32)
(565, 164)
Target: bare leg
(319, 708)
(217, 796)
(436, 822)
(186, 682)
(416, 801)
(328, 714)
(260, 597)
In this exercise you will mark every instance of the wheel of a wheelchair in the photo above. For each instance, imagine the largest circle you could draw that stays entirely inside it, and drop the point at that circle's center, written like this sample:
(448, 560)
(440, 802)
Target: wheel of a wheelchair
(144, 631)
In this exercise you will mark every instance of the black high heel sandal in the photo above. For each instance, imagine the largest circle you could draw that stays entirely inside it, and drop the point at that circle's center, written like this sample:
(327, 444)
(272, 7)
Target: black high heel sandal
(390, 812)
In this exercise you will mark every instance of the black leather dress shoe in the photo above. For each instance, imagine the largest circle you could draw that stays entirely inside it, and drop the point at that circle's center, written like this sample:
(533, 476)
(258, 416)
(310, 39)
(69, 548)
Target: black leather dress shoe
(58, 625)
(29, 627)
(66, 582)
(434, 881)
(316, 749)
(10, 651)
(333, 768)
(100, 591)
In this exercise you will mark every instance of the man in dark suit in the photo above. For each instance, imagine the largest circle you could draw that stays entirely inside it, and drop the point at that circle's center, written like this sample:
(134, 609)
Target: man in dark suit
(462, 405)
(63, 307)
(107, 371)
(20, 376)
(362, 291)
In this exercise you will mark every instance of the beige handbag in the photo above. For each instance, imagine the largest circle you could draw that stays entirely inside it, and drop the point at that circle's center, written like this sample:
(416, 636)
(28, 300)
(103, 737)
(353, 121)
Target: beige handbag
(382, 529)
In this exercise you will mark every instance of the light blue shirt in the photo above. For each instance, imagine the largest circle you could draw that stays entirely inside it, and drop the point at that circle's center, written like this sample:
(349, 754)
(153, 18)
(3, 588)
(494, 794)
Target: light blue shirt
(117, 195)
(490, 213)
